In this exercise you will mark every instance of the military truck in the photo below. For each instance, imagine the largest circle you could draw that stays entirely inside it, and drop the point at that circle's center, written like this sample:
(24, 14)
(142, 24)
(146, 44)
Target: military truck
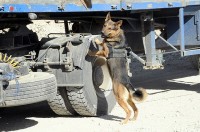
(57, 67)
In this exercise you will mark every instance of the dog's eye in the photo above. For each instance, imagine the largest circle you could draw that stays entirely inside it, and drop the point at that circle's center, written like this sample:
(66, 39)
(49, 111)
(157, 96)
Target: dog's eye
(104, 25)
(109, 28)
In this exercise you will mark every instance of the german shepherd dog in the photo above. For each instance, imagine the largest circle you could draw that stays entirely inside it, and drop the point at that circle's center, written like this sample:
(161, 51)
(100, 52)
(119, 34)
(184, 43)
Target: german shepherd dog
(123, 90)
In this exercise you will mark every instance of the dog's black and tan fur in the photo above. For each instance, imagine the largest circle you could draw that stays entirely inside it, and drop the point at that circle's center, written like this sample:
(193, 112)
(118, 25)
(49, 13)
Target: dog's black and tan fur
(124, 92)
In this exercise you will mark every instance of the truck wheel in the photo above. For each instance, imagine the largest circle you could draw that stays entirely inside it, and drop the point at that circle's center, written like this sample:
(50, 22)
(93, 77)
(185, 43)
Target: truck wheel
(91, 100)
(34, 87)
(61, 105)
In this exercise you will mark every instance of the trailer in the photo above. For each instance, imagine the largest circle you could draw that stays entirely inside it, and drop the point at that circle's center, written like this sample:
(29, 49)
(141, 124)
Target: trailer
(58, 69)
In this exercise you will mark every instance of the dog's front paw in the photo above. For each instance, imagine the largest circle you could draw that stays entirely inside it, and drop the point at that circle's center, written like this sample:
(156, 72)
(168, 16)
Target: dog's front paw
(97, 41)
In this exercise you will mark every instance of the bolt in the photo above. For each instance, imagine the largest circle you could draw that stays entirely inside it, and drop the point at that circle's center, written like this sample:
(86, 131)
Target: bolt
(113, 7)
(129, 6)
(170, 4)
(61, 8)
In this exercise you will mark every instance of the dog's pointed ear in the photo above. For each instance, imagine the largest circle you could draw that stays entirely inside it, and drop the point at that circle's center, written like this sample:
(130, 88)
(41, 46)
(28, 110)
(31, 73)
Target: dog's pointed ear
(119, 23)
(108, 17)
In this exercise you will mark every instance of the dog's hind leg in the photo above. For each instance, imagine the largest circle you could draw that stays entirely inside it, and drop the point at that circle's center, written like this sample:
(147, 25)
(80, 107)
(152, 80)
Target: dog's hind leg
(124, 104)
(135, 109)
(122, 95)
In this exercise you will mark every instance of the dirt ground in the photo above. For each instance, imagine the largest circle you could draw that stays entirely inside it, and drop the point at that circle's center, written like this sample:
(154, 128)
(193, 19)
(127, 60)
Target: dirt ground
(173, 104)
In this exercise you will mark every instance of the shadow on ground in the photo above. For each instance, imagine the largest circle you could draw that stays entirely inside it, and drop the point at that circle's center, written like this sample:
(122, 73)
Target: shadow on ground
(8, 123)
(112, 118)
(178, 74)
(16, 118)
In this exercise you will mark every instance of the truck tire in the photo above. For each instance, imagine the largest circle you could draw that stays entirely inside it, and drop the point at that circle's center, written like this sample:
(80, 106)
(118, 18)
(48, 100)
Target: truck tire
(61, 105)
(90, 100)
(34, 87)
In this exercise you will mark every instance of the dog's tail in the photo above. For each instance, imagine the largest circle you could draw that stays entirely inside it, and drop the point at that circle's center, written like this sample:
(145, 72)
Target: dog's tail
(139, 94)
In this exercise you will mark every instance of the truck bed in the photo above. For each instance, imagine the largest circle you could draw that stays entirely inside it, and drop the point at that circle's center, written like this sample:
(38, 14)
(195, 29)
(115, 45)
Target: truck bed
(21, 6)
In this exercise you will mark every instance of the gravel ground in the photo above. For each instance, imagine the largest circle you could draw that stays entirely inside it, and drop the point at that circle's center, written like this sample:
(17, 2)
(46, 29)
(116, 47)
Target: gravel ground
(172, 105)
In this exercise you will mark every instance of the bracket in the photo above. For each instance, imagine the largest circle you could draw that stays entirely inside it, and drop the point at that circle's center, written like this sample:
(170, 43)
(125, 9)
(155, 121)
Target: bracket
(197, 22)
(148, 34)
